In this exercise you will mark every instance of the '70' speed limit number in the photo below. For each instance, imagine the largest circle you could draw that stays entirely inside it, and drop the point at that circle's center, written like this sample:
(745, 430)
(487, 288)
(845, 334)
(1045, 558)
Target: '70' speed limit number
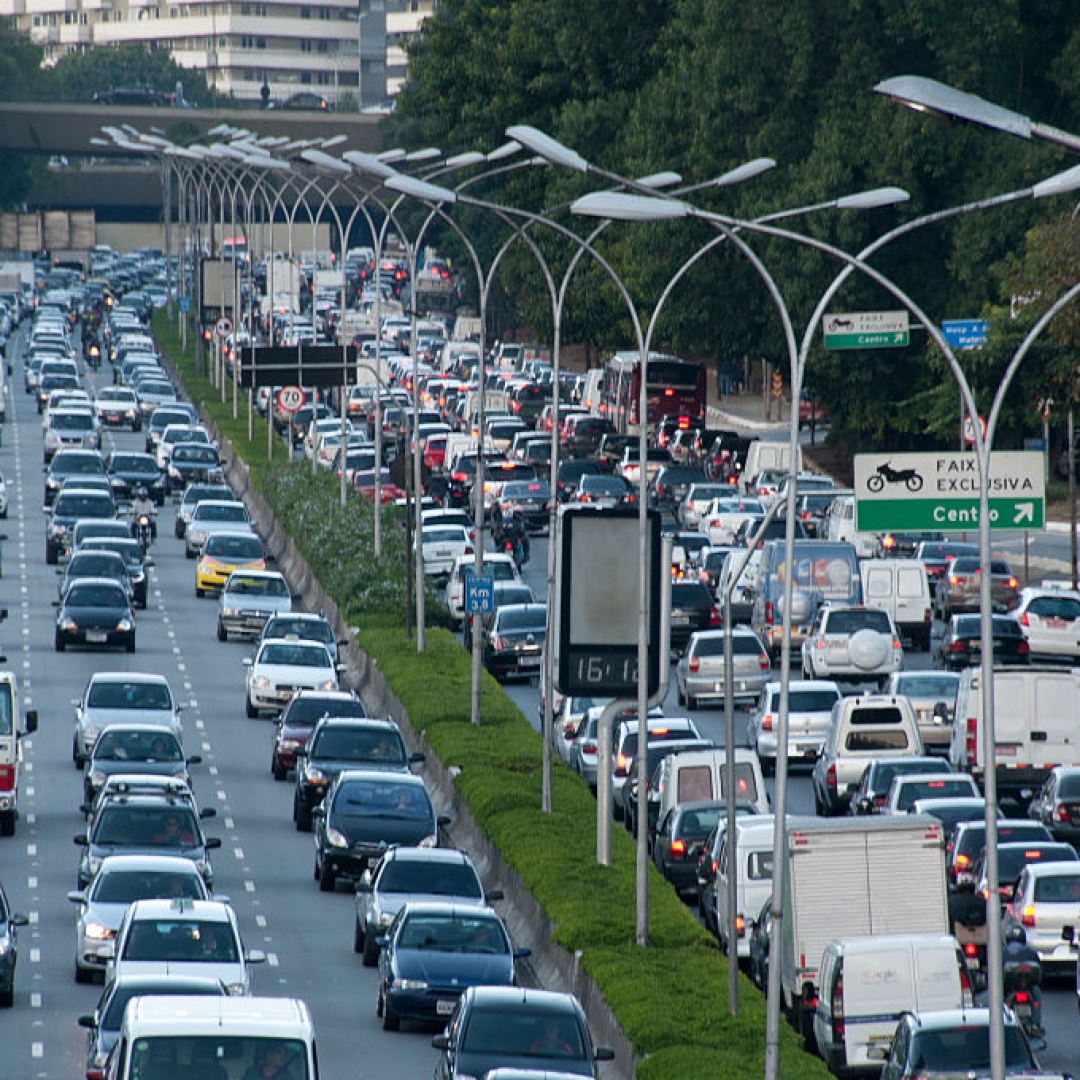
(290, 398)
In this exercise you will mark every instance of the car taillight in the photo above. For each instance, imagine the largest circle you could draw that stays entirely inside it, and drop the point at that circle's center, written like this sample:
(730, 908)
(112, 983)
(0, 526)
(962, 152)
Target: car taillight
(1024, 620)
(962, 861)
(7, 777)
(678, 849)
(764, 662)
(620, 765)
(1013, 583)
(838, 1008)
(953, 579)
(740, 926)
(971, 741)
(694, 664)
(589, 750)
(767, 722)
(1023, 648)
(958, 647)
(714, 616)
(1061, 813)
(966, 994)
(768, 613)
(830, 777)
(1027, 916)
(971, 950)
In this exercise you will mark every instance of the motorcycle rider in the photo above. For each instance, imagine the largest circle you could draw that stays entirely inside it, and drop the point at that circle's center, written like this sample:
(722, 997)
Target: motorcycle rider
(140, 505)
(1022, 970)
(510, 529)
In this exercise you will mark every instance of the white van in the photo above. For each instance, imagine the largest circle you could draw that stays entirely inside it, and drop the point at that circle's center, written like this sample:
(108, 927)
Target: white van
(753, 877)
(698, 775)
(840, 525)
(592, 393)
(213, 1037)
(768, 454)
(865, 984)
(902, 588)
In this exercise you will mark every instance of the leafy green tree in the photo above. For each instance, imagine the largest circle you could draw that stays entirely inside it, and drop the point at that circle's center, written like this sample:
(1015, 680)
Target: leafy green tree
(79, 75)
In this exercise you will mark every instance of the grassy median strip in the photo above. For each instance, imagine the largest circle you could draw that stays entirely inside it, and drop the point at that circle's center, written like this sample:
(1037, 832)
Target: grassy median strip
(670, 998)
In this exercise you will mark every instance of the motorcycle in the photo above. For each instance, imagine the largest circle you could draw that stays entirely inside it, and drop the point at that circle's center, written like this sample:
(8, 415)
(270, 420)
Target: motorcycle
(144, 532)
(886, 474)
(1021, 977)
(515, 548)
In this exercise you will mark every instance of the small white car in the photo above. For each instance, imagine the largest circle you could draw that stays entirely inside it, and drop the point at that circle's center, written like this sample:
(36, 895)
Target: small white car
(183, 937)
(852, 643)
(501, 567)
(810, 704)
(1050, 620)
(442, 545)
(280, 667)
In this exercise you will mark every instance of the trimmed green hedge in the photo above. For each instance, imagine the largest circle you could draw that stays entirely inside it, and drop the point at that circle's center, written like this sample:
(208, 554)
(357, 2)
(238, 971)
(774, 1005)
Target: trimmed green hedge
(670, 997)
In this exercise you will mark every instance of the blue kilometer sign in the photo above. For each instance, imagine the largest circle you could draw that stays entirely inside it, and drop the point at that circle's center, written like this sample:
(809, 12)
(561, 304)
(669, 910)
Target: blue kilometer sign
(479, 594)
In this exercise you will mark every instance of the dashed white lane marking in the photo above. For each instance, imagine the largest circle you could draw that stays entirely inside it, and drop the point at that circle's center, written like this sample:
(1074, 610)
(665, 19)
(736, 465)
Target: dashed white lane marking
(31, 882)
(221, 795)
(260, 921)
(35, 1000)
(37, 1049)
(249, 886)
(31, 849)
(272, 959)
(239, 854)
(35, 956)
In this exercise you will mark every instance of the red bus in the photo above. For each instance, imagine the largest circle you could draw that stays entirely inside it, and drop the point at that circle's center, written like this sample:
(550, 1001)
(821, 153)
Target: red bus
(676, 388)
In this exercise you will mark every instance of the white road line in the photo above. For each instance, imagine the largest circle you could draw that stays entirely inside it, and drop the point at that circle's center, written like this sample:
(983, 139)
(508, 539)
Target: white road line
(260, 921)
(238, 853)
(213, 770)
(221, 795)
(228, 823)
(37, 1049)
(31, 849)
(35, 956)
(33, 918)
(272, 959)
(35, 1001)
(31, 882)
(249, 886)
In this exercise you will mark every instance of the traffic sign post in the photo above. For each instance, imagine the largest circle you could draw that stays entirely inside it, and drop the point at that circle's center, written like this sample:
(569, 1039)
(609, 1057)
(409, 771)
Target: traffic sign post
(866, 330)
(479, 594)
(940, 492)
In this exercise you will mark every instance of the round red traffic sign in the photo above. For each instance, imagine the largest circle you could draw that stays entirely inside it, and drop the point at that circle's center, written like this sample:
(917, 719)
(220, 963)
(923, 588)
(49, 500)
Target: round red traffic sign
(223, 326)
(290, 398)
(969, 429)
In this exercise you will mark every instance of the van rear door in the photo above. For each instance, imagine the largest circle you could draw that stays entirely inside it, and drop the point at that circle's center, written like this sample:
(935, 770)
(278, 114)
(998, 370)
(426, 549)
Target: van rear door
(937, 976)
(878, 986)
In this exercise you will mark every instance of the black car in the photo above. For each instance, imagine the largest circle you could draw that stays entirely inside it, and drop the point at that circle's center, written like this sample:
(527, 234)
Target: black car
(584, 435)
(529, 498)
(8, 950)
(513, 639)
(519, 1028)
(146, 749)
(938, 554)
(693, 608)
(503, 593)
(903, 545)
(365, 812)
(193, 463)
(627, 795)
(68, 463)
(159, 824)
(131, 552)
(128, 472)
(527, 402)
(305, 100)
(340, 743)
(569, 475)
(869, 794)
(105, 564)
(95, 611)
(960, 645)
(680, 838)
(670, 486)
(71, 506)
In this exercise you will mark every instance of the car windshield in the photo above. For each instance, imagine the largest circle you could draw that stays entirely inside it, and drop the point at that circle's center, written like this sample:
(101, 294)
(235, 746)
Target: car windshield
(210, 511)
(199, 454)
(295, 654)
(89, 596)
(127, 886)
(741, 645)
(961, 1049)
(113, 1015)
(697, 824)
(118, 745)
(938, 789)
(809, 701)
(927, 686)
(251, 586)
(381, 799)
(1058, 889)
(520, 1031)
(311, 629)
(191, 940)
(440, 879)
(343, 744)
(851, 622)
(453, 933)
(129, 695)
(77, 506)
(238, 548)
(134, 463)
(307, 709)
(521, 619)
(146, 826)
(201, 1055)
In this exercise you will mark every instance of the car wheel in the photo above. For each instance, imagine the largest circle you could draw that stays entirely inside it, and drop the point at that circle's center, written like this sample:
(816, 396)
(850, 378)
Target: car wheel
(188, 553)
(679, 695)
(327, 879)
(768, 765)
(58, 642)
(819, 808)
(278, 770)
(82, 975)
(76, 757)
(222, 633)
(7, 996)
(178, 529)
(250, 709)
(129, 645)
(371, 951)
(358, 936)
(691, 701)
(390, 1020)
(302, 818)
(7, 823)
(199, 592)
(50, 555)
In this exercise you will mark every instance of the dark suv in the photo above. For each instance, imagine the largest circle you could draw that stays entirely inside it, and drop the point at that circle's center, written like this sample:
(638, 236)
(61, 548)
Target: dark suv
(340, 743)
(295, 725)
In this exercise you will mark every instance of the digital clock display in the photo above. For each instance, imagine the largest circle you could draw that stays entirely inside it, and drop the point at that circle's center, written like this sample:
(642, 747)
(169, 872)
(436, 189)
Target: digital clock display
(607, 670)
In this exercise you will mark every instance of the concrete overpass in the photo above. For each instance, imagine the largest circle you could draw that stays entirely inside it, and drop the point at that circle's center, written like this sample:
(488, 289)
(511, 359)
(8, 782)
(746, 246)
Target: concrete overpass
(119, 187)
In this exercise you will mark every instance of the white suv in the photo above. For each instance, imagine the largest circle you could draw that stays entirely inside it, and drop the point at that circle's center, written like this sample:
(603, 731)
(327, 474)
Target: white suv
(851, 642)
(501, 567)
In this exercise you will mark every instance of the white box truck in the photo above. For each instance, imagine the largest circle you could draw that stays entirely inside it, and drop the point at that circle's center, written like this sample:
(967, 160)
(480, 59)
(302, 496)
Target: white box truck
(855, 876)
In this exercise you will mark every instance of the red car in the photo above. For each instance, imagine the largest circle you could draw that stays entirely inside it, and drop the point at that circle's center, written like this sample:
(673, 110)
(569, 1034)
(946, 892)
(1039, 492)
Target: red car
(389, 492)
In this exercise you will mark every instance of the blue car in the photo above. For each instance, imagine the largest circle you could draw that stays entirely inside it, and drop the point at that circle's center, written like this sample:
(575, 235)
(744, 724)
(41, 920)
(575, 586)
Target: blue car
(432, 952)
(8, 951)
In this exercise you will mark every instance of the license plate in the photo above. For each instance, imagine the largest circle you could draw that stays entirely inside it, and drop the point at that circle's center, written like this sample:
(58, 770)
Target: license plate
(1005, 749)
(96, 637)
(680, 620)
(1056, 624)
(530, 661)
(1023, 1012)
(112, 418)
(444, 1008)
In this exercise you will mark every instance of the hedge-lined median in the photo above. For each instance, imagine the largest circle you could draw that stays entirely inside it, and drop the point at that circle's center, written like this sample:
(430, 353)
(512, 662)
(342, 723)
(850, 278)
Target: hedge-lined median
(670, 997)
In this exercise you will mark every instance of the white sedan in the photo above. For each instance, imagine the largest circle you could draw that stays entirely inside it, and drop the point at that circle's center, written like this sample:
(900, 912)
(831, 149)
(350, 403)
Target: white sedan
(722, 517)
(1050, 620)
(442, 545)
(281, 666)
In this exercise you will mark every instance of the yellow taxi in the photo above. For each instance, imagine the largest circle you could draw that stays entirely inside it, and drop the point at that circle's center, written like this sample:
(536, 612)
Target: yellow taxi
(223, 553)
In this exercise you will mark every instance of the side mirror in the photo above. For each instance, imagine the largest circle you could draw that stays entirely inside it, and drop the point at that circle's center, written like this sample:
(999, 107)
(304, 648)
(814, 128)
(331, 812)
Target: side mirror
(1068, 933)
(212, 843)
(443, 820)
(76, 896)
(441, 1042)
(88, 1020)
(417, 757)
(31, 721)
(604, 1053)
(492, 895)
(255, 956)
(81, 840)
(195, 759)
(247, 661)
(207, 812)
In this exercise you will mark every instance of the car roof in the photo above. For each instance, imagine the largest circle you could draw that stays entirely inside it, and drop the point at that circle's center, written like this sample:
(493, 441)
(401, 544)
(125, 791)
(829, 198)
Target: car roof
(127, 676)
(554, 1000)
(176, 863)
(381, 776)
(202, 910)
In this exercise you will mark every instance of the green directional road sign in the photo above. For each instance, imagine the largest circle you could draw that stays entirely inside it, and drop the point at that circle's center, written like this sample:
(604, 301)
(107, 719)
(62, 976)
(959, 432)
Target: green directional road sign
(940, 492)
(866, 330)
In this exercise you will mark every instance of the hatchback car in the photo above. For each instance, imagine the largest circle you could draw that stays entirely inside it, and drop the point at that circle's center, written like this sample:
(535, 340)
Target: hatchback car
(693, 608)
(432, 951)
(221, 554)
(69, 463)
(1050, 620)
(1045, 901)
(906, 790)
(406, 875)
(680, 839)
(94, 564)
(183, 937)
(9, 952)
(852, 643)
(365, 812)
(147, 749)
(121, 881)
(280, 667)
(810, 704)
(214, 515)
(112, 697)
(1057, 803)
(128, 472)
(960, 646)
(869, 794)
(248, 598)
(959, 588)
(512, 639)
(136, 562)
(297, 722)
(495, 1026)
(701, 673)
(95, 611)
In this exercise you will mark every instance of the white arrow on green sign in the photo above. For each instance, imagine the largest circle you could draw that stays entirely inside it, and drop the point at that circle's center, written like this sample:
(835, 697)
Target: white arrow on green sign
(940, 492)
(866, 330)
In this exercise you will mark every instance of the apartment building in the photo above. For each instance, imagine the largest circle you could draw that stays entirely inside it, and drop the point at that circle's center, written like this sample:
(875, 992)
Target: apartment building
(337, 48)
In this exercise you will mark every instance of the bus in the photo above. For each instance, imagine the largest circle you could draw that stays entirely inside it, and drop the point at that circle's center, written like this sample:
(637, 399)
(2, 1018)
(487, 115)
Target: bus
(676, 388)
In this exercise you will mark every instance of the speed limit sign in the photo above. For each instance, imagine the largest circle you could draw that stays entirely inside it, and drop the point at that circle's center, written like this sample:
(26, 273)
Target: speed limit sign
(290, 398)
(223, 326)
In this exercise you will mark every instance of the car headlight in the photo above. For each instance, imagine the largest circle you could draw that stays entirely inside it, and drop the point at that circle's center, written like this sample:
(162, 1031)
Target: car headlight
(260, 682)
(93, 864)
(328, 684)
(429, 841)
(385, 918)
(315, 776)
(335, 839)
(124, 625)
(97, 932)
(68, 624)
(97, 778)
(229, 612)
(410, 984)
(291, 744)
(90, 735)
(174, 473)
(5, 945)
(197, 536)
